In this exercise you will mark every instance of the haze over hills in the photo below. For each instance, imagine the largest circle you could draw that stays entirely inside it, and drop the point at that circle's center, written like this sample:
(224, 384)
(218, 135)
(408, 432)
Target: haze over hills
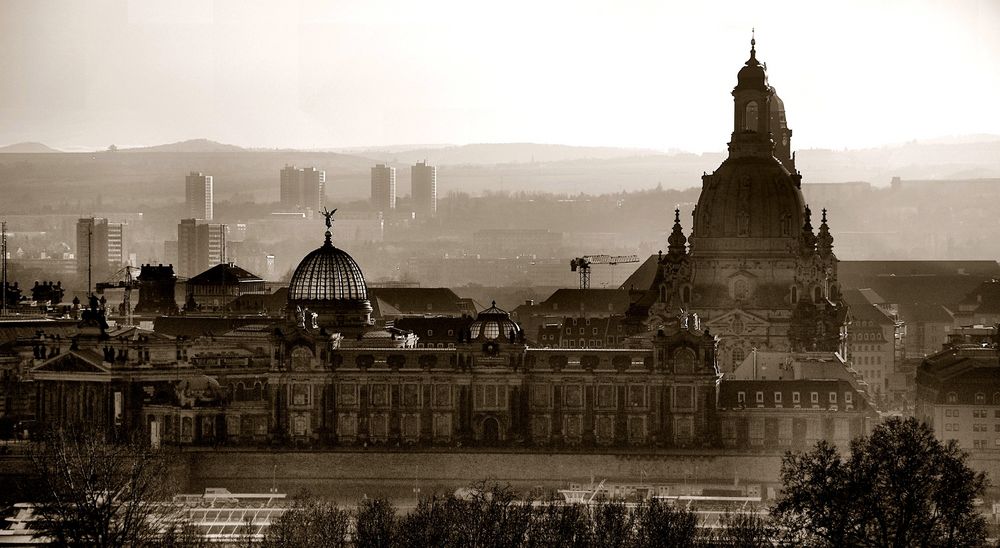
(27, 148)
(131, 177)
(497, 153)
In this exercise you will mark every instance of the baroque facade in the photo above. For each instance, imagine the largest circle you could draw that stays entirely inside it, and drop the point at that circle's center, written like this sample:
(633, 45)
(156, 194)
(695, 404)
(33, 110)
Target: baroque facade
(752, 267)
(325, 374)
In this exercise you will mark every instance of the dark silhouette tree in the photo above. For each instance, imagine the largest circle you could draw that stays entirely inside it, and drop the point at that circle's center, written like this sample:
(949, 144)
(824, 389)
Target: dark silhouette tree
(375, 524)
(899, 486)
(309, 523)
(95, 493)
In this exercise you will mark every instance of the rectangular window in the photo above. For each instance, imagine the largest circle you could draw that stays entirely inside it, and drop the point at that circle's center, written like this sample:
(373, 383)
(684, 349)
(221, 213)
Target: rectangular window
(795, 397)
(833, 397)
(442, 395)
(573, 395)
(814, 397)
(741, 397)
(760, 397)
(848, 398)
(683, 397)
(777, 397)
(637, 395)
(540, 395)
(605, 395)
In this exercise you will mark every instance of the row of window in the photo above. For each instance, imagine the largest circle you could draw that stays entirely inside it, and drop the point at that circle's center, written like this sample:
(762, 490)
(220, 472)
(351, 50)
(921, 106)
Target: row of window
(980, 398)
(741, 397)
(869, 360)
(976, 413)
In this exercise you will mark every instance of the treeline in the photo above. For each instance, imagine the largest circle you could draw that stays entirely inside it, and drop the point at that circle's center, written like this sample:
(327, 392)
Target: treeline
(494, 516)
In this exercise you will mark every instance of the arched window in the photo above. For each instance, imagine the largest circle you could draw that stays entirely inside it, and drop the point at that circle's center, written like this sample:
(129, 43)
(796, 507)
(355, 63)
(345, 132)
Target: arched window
(786, 225)
(817, 294)
(686, 294)
(684, 360)
(952, 397)
(980, 398)
(795, 295)
(750, 117)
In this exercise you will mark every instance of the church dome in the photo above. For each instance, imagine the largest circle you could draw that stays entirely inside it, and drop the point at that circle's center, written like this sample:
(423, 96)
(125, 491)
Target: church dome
(328, 274)
(749, 198)
(493, 323)
(328, 289)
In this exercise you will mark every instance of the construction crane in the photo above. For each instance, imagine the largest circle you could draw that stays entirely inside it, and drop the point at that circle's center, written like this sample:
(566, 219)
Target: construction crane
(122, 279)
(582, 264)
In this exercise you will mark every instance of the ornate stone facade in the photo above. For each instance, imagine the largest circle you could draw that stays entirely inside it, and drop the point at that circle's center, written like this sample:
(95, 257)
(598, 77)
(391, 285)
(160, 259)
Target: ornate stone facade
(753, 268)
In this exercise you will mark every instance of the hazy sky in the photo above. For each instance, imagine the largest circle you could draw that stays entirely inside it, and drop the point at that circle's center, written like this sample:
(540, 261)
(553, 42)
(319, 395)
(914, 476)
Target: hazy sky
(355, 73)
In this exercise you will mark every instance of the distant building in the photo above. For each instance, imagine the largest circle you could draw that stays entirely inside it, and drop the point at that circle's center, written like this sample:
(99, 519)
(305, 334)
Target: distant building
(303, 188)
(156, 290)
(200, 246)
(423, 189)
(383, 187)
(99, 248)
(870, 341)
(199, 197)
(512, 242)
(958, 392)
(981, 305)
(779, 401)
(216, 288)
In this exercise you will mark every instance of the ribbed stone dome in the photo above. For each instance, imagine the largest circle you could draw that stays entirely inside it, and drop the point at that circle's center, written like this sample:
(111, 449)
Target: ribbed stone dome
(749, 197)
(328, 274)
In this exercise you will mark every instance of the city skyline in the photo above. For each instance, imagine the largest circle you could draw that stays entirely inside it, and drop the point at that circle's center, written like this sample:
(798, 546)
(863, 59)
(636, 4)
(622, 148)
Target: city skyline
(119, 72)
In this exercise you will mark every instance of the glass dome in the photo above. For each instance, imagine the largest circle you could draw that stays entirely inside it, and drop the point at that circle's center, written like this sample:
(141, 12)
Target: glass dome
(328, 274)
(493, 323)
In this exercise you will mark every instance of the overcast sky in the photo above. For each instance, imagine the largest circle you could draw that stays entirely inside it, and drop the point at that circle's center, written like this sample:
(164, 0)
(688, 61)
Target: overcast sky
(656, 74)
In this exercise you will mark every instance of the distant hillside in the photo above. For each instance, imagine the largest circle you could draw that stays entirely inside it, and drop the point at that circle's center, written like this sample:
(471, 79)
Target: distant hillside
(498, 153)
(27, 148)
(191, 145)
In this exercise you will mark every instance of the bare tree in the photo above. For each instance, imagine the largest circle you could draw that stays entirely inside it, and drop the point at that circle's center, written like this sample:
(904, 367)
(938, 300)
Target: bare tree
(96, 493)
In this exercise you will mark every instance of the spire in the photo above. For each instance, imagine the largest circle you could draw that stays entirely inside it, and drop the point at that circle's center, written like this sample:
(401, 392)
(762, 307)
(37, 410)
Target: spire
(753, 43)
(825, 239)
(808, 237)
(676, 241)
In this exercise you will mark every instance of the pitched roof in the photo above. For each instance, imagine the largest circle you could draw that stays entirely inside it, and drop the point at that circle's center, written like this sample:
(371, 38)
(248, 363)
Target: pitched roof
(985, 298)
(224, 273)
(418, 300)
(863, 309)
(643, 276)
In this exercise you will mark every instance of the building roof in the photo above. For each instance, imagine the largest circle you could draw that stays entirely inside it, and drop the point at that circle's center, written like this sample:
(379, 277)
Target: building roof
(984, 299)
(643, 276)
(574, 301)
(925, 313)
(224, 273)
(863, 309)
(417, 301)
(849, 271)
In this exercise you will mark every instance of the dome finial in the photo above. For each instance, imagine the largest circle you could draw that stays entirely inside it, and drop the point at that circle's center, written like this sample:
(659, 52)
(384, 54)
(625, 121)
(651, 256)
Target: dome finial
(677, 214)
(328, 215)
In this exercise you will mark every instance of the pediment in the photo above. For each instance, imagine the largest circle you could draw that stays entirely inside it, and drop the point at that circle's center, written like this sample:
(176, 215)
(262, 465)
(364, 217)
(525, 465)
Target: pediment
(72, 363)
(742, 274)
(737, 322)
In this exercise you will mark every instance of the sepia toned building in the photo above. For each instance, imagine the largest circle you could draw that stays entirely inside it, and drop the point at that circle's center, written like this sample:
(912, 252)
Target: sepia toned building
(199, 196)
(383, 195)
(100, 248)
(752, 266)
(958, 391)
(423, 189)
(302, 189)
